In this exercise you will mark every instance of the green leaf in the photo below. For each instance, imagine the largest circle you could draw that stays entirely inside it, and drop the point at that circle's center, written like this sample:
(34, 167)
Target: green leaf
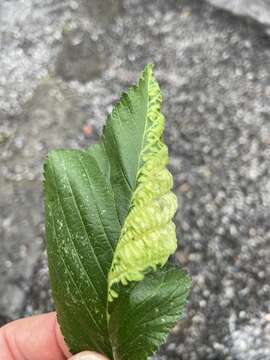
(109, 222)
(145, 312)
(82, 229)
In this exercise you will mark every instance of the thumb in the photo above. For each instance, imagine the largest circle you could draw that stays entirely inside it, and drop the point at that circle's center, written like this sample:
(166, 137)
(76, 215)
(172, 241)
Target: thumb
(88, 355)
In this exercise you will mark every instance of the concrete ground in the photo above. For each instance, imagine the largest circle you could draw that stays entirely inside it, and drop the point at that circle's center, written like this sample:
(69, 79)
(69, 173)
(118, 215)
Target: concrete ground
(64, 63)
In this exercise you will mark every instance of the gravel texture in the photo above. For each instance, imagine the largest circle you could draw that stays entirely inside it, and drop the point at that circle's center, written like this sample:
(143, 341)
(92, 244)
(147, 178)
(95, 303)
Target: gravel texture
(214, 72)
(259, 10)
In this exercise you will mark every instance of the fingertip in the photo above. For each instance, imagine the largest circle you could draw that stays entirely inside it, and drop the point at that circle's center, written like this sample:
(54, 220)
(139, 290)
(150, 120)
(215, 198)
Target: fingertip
(37, 336)
(30, 337)
(88, 355)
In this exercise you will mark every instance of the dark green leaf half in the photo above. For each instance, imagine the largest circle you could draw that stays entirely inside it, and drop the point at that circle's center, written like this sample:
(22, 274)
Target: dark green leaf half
(82, 229)
(145, 312)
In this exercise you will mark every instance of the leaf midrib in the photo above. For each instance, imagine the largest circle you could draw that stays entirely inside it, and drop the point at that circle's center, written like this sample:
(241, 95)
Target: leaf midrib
(143, 138)
(137, 167)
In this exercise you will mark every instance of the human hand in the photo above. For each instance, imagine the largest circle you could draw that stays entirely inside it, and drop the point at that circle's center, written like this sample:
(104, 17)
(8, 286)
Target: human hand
(37, 338)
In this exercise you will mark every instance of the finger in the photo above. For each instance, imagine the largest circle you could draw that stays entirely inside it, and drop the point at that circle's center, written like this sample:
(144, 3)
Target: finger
(88, 355)
(34, 338)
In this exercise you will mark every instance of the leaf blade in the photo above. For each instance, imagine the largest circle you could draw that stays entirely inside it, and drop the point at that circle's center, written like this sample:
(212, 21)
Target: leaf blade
(122, 138)
(136, 329)
(80, 242)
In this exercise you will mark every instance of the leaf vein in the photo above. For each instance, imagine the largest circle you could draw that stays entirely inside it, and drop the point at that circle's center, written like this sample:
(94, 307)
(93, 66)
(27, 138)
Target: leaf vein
(70, 237)
(83, 224)
(96, 205)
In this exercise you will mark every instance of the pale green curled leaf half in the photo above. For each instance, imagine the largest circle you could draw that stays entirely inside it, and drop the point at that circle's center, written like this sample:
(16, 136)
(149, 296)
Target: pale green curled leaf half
(148, 233)
(109, 233)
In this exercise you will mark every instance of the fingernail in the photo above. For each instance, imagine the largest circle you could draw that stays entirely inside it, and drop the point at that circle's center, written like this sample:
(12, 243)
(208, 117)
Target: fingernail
(87, 355)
